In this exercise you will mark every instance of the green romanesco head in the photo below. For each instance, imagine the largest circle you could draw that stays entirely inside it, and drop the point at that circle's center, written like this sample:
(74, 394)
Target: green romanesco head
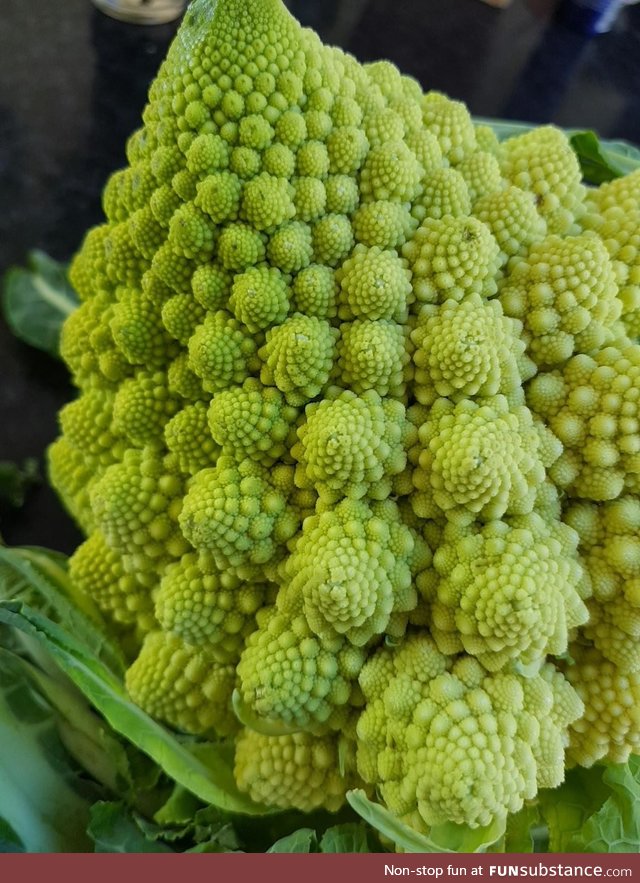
(357, 430)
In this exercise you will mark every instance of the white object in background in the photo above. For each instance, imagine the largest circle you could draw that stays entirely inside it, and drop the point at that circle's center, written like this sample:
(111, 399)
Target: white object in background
(142, 12)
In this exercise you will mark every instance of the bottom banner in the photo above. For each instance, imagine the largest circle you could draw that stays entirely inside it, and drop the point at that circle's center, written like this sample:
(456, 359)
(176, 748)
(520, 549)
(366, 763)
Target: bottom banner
(311, 868)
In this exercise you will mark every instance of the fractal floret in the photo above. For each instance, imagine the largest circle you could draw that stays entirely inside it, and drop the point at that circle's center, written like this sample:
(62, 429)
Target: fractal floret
(356, 446)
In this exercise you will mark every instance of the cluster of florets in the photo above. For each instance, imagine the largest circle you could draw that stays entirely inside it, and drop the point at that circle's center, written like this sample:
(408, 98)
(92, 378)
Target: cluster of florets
(357, 441)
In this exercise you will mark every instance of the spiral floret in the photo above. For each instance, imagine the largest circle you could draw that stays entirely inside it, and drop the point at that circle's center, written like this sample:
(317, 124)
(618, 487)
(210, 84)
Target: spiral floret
(188, 438)
(183, 686)
(565, 293)
(513, 219)
(221, 352)
(234, 512)
(620, 192)
(452, 258)
(467, 349)
(383, 223)
(451, 123)
(609, 728)
(619, 229)
(373, 355)
(509, 591)
(350, 446)
(297, 770)
(259, 298)
(543, 162)
(138, 331)
(444, 192)
(610, 547)
(136, 504)
(290, 679)
(315, 291)
(591, 405)
(267, 201)
(207, 606)
(481, 171)
(391, 171)
(96, 570)
(351, 568)
(252, 421)
(374, 284)
(482, 459)
(298, 357)
(445, 741)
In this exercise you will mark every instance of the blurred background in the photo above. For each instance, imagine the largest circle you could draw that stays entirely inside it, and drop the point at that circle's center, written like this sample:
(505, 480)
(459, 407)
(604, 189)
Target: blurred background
(73, 83)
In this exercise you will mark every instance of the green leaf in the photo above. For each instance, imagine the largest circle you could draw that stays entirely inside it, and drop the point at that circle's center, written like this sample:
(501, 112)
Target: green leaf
(615, 827)
(595, 810)
(37, 780)
(596, 166)
(441, 838)
(82, 732)
(566, 809)
(179, 809)
(9, 840)
(388, 825)
(302, 840)
(254, 722)
(350, 837)
(113, 829)
(15, 480)
(210, 777)
(624, 155)
(39, 577)
(37, 300)
(523, 830)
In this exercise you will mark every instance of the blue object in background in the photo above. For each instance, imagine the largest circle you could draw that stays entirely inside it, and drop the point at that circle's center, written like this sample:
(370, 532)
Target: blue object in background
(588, 16)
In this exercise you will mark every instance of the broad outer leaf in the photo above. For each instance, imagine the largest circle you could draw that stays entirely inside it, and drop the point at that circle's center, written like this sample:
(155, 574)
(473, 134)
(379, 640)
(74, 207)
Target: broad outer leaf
(302, 840)
(113, 829)
(443, 838)
(39, 577)
(35, 784)
(615, 827)
(9, 840)
(596, 166)
(350, 837)
(36, 301)
(107, 694)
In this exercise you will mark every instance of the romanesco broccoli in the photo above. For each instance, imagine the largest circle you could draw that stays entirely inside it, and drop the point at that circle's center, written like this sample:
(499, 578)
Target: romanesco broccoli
(357, 439)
